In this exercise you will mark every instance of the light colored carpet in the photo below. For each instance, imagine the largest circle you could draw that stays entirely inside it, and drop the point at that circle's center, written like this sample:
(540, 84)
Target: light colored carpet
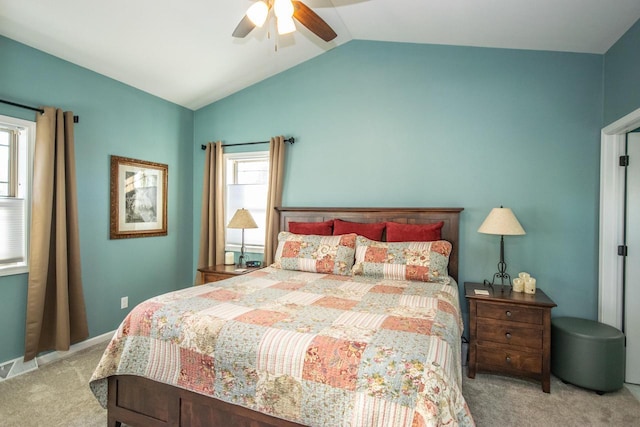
(58, 394)
(495, 400)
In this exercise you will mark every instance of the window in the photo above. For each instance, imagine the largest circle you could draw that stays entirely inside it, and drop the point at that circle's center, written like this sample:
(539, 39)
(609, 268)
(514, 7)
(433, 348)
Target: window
(16, 146)
(247, 181)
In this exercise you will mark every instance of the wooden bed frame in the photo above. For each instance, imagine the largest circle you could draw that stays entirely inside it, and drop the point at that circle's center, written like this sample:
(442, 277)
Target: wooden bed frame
(141, 402)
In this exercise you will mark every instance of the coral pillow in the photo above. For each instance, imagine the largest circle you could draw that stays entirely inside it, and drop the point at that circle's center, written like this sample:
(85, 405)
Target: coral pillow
(317, 228)
(371, 231)
(317, 254)
(419, 261)
(414, 232)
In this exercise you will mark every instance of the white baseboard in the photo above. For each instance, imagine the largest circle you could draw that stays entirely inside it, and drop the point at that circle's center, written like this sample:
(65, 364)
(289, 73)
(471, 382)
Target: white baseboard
(57, 355)
(18, 366)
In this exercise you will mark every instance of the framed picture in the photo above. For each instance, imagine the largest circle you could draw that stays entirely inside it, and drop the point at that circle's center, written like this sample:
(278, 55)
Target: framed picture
(138, 198)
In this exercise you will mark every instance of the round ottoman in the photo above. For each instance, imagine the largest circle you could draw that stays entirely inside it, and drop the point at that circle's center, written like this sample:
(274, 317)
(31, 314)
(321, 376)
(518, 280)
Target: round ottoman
(587, 353)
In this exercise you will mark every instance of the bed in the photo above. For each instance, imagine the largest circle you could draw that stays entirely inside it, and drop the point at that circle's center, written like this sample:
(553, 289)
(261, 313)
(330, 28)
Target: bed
(346, 339)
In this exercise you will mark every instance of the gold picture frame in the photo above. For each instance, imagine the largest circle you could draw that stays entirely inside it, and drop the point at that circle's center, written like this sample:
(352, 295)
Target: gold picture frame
(138, 198)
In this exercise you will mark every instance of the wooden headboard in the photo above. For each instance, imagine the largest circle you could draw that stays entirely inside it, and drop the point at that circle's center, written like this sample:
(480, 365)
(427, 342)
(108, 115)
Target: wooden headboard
(450, 217)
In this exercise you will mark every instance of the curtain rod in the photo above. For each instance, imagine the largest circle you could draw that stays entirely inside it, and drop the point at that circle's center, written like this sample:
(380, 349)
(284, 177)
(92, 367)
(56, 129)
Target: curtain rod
(76, 119)
(289, 140)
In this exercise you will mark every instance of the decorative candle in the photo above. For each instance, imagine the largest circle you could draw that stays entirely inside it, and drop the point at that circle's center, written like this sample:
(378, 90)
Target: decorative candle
(518, 285)
(530, 286)
(524, 276)
(229, 258)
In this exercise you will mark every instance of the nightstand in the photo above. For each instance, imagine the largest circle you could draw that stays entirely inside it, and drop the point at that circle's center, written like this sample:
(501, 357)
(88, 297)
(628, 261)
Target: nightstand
(213, 273)
(510, 333)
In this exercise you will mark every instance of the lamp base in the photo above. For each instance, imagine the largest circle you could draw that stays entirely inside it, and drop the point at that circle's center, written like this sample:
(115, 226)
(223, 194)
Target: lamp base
(502, 271)
(502, 276)
(241, 263)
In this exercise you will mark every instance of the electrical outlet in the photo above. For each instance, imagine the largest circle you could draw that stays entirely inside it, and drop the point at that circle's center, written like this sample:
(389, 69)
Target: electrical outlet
(124, 302)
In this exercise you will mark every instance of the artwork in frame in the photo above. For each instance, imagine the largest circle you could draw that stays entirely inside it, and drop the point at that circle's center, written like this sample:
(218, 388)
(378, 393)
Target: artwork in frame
(138, 198)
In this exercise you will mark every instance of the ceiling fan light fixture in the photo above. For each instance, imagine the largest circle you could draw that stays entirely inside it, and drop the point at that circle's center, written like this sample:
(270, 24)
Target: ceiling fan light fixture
(283, 9)
(284, 12)
(257, 13)
(286, 25)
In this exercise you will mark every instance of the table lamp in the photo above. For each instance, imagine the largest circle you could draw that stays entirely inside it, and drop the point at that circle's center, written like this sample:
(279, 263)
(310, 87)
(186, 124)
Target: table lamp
(242, 219)
(501, 221)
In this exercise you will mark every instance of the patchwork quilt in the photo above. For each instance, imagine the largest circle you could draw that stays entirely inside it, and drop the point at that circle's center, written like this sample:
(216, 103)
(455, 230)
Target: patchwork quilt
(317, 349)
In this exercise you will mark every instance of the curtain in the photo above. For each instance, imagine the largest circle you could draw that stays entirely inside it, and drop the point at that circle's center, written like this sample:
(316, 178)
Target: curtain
(274, 196)
(56, 315)
(212, 214)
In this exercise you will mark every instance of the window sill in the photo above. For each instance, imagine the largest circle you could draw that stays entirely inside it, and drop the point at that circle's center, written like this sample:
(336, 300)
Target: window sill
(17, 269)
(247, 248)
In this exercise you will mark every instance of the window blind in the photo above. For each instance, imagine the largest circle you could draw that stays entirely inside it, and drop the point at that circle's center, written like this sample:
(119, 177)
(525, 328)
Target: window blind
(12, 218)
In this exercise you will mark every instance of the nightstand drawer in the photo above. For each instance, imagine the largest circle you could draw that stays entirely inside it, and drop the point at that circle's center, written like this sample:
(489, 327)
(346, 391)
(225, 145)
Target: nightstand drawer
(512, 313)
(213, 277)
(509, 360)
(218, 272)
(513, 335)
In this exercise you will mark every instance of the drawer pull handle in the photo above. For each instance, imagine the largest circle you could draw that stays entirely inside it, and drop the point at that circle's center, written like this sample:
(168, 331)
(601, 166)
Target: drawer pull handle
(508, 359)
(508, 313)
(508, 335)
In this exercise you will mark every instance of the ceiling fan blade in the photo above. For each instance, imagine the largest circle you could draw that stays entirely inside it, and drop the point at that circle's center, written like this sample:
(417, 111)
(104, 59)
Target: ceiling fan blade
(312, 21)
(244, 27)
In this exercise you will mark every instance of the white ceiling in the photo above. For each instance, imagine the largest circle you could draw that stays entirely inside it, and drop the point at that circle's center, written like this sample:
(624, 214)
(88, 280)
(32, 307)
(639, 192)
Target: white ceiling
(183, 51)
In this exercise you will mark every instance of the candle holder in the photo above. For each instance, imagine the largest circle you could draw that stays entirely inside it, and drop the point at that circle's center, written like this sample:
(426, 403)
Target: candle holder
(530, 286)
(518, 285)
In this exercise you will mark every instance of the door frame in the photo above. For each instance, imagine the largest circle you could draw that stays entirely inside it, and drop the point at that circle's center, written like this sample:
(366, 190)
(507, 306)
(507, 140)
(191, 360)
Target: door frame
(610, 285)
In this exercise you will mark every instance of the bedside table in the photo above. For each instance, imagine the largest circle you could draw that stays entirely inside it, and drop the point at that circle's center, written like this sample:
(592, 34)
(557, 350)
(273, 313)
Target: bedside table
(213, 273)
(510, 333)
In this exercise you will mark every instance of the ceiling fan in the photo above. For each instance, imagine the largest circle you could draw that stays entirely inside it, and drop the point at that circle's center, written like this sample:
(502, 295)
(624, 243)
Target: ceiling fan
(284, 11)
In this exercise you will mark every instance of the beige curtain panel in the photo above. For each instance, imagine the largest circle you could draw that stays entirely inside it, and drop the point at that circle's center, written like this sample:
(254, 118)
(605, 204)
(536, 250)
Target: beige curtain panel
(274, 196)
(56, 316)
(212, 214)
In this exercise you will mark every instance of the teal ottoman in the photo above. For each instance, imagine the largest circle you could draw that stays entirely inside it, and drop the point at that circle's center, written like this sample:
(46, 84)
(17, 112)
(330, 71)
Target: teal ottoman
(587, 353)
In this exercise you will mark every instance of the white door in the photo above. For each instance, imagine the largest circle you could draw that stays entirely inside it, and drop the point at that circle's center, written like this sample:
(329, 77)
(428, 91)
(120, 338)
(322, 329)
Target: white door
(632, 272)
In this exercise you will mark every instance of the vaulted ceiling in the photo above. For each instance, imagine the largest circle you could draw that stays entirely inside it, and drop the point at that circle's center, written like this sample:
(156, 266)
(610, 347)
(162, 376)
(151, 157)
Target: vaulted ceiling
(182, 51)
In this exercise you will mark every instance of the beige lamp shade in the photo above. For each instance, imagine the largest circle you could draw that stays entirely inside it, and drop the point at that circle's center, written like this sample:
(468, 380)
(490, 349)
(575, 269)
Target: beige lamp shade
(503, 222)
(242, 219)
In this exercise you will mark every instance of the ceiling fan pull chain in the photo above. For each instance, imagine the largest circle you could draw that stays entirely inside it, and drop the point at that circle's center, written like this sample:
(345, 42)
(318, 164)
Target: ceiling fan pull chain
(276, 37)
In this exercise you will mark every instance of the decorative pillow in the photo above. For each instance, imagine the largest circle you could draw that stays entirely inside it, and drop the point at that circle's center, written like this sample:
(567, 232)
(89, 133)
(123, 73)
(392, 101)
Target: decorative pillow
(419, 261)
(397, 232)
(317, 254)
(318, 228)
(371, 231)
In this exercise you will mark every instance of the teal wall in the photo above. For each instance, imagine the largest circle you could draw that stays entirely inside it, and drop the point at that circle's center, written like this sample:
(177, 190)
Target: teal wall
(376, 124)
(389, 124)
(622, 76)
(115, 119)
